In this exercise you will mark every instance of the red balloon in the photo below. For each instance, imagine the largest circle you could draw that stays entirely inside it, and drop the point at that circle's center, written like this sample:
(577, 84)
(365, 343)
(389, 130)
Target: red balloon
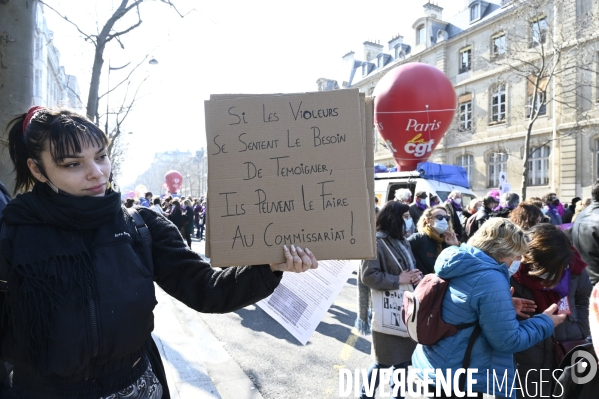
(173, 180)
(413, 108)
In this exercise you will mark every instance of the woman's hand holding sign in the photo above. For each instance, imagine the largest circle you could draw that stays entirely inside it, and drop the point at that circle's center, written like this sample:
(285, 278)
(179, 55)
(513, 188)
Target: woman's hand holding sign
(297, 260)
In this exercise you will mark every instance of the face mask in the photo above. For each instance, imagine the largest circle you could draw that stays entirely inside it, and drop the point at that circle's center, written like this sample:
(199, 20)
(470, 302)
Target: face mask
(441, 226)
(514, 267)
(544, 210)
(409, 223)
(457, 201)
(556, 202)
(479, 208)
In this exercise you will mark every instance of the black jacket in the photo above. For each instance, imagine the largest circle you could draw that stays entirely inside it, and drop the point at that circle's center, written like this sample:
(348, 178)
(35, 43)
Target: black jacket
(94, 343)
(176, 216)
(456, 222)
(575, 327)
(479, 218)
(424, 249)
(415, 213)
(585, 237)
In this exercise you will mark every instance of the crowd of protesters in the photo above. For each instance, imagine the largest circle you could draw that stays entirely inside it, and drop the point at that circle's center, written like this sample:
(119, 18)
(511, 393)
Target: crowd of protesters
(520, 275)
(188, 214)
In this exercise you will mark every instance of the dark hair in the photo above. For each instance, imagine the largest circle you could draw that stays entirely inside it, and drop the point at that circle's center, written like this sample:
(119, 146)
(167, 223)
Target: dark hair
(176, 203)
(536, 201)
(546, 197)
(157, 201)
(61, 131)
(488, 200)
(526, 215)
(548, 253)
(149, 193)
(129, 203)
(595, 191)
(390, 219)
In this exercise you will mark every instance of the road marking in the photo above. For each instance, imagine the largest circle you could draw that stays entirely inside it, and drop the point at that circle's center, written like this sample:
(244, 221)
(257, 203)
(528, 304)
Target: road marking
(349, 345)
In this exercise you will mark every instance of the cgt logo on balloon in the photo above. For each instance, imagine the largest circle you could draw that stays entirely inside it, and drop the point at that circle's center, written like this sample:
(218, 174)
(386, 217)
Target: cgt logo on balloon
(413, 108)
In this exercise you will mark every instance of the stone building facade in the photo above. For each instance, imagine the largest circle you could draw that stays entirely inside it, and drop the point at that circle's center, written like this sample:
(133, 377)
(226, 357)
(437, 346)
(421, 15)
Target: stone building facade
(475, 49)
(52, 86)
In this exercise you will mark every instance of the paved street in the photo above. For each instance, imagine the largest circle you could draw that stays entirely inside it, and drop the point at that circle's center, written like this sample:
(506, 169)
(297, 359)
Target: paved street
(246, 354)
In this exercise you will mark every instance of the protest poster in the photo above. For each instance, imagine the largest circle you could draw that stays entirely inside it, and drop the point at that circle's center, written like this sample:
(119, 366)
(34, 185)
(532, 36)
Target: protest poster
(301, 300)
(288, 169)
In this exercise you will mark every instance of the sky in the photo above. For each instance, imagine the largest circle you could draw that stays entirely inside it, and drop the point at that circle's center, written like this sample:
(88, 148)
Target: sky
(234, 46)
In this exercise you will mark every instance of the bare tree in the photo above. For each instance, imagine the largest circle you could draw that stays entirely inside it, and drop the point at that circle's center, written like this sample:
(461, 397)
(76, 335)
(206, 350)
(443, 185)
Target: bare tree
(533, 46)
(99, 40)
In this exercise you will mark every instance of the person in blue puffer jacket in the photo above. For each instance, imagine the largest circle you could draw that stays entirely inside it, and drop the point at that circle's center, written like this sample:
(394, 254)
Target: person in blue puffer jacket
(479, 290)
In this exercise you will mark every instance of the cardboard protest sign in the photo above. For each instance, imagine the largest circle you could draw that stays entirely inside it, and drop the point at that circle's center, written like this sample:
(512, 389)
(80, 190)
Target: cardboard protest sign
(288, 169)
(369, 135)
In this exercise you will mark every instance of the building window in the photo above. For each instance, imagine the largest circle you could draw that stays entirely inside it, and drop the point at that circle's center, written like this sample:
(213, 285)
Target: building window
(498, 45)
(399, 53)
(380, 61)
(364, 69)
(538, 31)
(538, 166)
(465, 59)
(38, 48)
(420, 38)
(466, 162)
(37, 83)
(498, 104)
(474, 12)
(540, 102)
(465, 112)
(497, 163)
(597, 159)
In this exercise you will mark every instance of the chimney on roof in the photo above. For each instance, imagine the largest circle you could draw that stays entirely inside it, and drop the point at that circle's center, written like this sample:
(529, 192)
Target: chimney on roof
(371, 49)
(395, 40)
(433, 11)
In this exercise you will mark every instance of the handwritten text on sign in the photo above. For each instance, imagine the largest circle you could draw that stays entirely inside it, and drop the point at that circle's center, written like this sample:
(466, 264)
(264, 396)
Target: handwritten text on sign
(287, 170)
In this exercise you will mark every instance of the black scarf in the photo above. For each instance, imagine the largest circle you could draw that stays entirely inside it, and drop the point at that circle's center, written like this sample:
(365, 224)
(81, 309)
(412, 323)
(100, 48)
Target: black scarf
(51, 265)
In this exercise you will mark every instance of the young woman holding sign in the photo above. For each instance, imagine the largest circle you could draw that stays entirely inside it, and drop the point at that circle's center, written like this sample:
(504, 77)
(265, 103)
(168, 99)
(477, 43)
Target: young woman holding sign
(79, 270)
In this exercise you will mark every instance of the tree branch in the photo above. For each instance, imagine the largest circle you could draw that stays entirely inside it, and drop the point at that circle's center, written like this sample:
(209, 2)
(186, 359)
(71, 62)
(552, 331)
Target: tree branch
(175, 8)
(129, 29)
(110, 90)
(87, 37)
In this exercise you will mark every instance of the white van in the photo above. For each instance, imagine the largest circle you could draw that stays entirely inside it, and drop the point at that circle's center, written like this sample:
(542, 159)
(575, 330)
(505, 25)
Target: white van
(385, 185)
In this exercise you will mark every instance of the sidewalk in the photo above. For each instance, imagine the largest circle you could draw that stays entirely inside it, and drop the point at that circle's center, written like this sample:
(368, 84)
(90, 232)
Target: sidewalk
(196, 364)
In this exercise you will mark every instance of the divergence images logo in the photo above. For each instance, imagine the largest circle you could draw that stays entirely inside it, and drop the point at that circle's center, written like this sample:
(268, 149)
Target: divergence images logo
(585, 370)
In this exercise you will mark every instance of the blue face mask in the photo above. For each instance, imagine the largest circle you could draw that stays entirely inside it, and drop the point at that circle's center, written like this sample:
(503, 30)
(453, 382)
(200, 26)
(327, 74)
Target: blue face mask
(514, 267)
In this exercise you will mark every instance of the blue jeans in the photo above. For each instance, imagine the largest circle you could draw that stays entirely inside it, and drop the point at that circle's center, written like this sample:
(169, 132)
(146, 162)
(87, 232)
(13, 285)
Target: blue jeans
(378, 367)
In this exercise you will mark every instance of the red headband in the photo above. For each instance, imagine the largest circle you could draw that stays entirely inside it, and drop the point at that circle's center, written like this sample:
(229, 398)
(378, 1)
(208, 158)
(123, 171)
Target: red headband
(29, 115)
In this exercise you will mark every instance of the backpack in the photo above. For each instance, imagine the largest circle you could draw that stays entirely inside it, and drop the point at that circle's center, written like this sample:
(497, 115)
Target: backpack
(421, 312)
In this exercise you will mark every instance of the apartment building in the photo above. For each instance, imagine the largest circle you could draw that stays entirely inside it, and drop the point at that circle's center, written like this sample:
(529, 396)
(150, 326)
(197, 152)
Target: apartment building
(485, 50)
